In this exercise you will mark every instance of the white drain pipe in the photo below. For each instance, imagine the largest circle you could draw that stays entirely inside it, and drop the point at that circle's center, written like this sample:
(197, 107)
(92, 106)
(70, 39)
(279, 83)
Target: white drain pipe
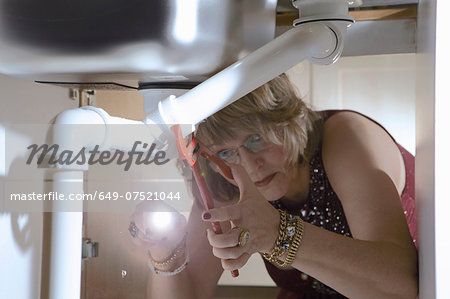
(64, 278)
(66, 237)
(252, 71)
(318, 37)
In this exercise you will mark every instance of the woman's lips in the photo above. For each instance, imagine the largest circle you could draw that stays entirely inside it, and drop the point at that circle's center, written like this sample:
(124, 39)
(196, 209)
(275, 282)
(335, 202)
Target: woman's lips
(265, 181)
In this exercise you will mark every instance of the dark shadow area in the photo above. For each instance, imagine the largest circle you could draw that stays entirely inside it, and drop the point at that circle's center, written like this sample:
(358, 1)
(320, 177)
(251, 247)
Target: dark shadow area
(83, 25)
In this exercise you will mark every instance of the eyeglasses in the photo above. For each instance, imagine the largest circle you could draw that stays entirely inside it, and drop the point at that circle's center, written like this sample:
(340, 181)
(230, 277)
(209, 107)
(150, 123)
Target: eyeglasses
(254, 143)
(190, 151)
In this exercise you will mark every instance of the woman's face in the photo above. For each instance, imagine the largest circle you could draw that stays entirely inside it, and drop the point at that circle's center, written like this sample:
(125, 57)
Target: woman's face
(267, 168)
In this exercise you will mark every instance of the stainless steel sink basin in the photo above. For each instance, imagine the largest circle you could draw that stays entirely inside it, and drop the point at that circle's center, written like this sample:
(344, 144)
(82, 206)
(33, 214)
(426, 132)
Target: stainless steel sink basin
(129, 40)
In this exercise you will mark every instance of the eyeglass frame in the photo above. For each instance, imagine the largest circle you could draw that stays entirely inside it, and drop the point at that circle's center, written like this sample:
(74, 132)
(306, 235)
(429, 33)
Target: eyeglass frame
(190, 151)
(223, 165)
(196, 147)
(247, 142)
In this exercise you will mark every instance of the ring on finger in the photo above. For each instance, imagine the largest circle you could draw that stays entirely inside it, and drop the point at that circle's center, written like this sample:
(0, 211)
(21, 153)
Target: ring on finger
(244, 236)
(132, 228)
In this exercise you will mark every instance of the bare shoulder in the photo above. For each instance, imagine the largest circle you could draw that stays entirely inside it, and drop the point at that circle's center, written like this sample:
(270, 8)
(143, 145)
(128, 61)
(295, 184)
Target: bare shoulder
(354, 144)
(366, 170)
(353, 123)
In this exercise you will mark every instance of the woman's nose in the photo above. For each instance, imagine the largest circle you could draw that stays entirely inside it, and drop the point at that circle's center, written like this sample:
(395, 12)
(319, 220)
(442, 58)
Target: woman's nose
(249, 160)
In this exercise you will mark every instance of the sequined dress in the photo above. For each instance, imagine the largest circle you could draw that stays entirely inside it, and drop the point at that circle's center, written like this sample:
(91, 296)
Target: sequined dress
(323, 208)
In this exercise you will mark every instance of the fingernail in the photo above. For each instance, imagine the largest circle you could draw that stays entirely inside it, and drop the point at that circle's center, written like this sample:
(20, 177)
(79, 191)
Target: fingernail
(206, 216)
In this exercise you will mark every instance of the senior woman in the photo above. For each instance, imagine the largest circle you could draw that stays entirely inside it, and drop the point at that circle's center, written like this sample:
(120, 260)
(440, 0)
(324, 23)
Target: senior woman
(324, 197)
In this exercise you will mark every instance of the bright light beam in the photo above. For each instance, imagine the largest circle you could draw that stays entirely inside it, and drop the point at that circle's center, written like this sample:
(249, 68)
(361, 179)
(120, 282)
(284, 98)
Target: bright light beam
(161, 221)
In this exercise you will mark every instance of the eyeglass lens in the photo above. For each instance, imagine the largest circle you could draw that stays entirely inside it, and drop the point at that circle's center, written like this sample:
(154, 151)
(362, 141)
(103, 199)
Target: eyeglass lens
(253, 143)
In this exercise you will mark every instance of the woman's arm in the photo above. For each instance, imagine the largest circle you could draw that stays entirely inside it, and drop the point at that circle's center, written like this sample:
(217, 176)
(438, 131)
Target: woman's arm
(364, 166)
(357, 268)
(202, 273)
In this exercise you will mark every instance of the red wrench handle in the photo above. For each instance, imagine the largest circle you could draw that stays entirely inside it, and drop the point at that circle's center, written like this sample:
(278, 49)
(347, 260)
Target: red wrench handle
(190, 154)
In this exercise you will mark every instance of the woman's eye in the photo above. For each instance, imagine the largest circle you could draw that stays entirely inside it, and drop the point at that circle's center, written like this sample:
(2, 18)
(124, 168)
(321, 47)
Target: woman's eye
(254, 143)
(225, 154)
(255, 138)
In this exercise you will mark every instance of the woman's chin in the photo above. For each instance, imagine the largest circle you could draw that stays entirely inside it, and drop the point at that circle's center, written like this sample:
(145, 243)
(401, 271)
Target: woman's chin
(273, 199)
(272, 195)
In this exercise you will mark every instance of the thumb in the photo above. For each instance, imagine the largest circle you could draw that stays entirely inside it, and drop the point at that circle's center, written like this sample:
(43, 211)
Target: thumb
(242, 179)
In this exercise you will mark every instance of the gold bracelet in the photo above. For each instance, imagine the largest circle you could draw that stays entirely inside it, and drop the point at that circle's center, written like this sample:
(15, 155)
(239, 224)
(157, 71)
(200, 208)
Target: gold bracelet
(277, 249)
(293, 248)
(290, 235)
(169, 273)
(181, 248)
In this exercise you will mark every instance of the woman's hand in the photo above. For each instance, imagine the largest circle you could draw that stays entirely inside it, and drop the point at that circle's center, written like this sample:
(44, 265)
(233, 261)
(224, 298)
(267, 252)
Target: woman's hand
(254, 213)
(157, 228)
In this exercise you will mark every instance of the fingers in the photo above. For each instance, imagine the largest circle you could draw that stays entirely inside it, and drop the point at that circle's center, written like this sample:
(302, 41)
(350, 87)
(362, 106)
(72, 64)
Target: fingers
(160, 226)
(144, 243)
(227, 213)
(227, 240)
(232, 264)
(241, 178)
(228, 253)
(139, 237)
(225, 246)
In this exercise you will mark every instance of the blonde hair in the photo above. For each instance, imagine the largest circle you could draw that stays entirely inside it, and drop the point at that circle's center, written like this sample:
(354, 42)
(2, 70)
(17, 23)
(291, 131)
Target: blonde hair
(273, 110)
